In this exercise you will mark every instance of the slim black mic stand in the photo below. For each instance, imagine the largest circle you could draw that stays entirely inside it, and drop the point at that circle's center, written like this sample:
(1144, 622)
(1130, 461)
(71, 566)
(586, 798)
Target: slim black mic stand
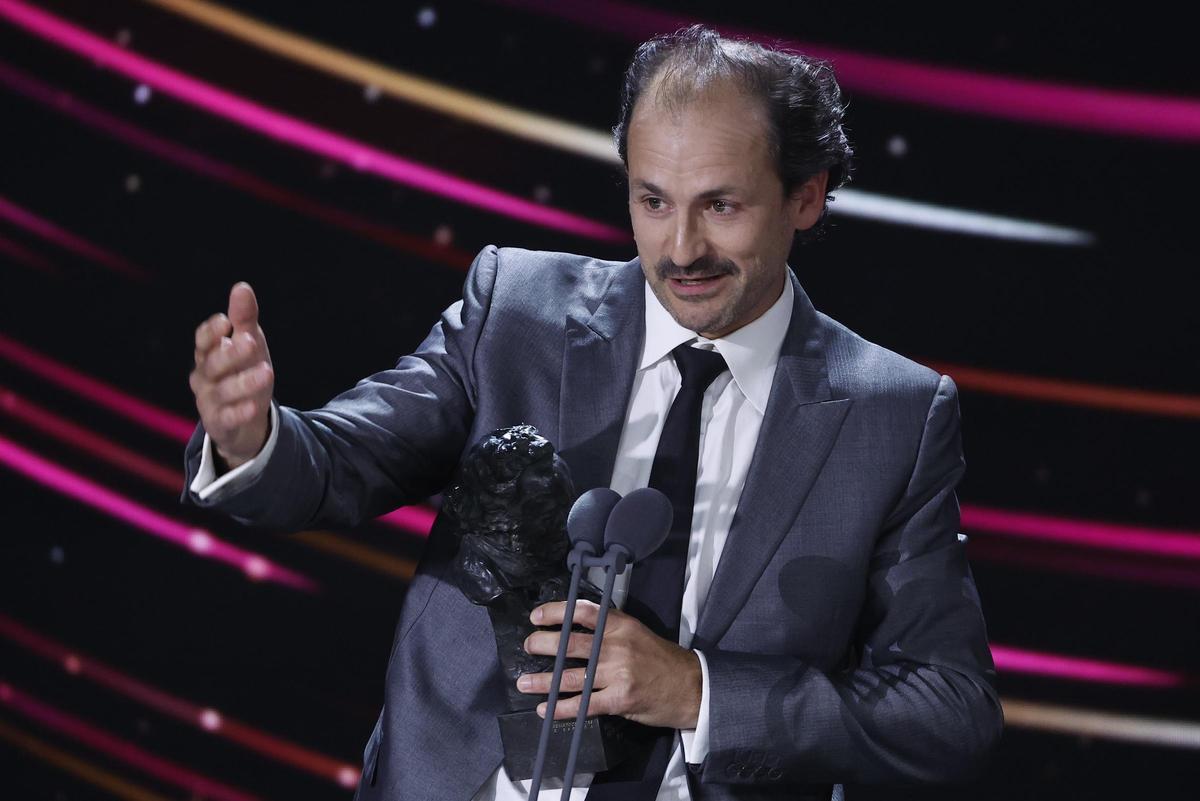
(575, 560)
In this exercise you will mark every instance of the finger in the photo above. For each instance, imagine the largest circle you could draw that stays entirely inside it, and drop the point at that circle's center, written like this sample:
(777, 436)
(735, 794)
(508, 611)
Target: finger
(572, 681)
(209, 333)
(243, 307)
(242, 385)
(545, 643)
(587, 613)
(568, 708)
(233, 355)
(237, 414)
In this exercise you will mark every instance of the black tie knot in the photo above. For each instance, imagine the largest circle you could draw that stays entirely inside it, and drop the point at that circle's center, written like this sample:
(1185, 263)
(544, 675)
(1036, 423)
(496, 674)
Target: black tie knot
(699, 368)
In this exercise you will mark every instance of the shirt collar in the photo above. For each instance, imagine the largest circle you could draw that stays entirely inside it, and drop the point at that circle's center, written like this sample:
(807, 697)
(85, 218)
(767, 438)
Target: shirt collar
(752, 351)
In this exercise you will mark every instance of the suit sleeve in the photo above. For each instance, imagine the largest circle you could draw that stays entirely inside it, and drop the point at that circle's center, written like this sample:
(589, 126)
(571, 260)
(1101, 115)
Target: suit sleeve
(920, 706)
(393, 439)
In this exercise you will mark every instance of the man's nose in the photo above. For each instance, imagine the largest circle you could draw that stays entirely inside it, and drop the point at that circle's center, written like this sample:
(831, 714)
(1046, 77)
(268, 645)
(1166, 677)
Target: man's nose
(688, 241)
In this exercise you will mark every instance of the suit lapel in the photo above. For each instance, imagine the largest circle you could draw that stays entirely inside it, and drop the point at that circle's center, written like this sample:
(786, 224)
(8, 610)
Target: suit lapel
(600, 358)
(799, 428)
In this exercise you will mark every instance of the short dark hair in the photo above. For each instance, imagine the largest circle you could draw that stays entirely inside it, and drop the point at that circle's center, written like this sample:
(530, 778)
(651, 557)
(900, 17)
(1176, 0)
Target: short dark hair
(800, 95)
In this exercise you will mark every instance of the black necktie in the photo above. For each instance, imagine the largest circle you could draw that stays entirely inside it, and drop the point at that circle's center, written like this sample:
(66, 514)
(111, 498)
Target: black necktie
(656, 585)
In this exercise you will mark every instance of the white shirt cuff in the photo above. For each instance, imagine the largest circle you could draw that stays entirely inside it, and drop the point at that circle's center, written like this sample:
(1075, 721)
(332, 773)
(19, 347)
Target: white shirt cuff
(695, 741)
(206, 484)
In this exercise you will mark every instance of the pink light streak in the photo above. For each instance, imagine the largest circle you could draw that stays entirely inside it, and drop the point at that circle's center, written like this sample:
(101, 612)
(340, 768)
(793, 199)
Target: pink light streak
(298, 133)
(198, 541)
(205, 718)
(411, 519)
(964, 91)
(77, 729)
(137, 411)
(1098, 564)
(81, 438)
(214, 169)
(19, 253)
(66, 240)
(1084, 533)
(1018, 660)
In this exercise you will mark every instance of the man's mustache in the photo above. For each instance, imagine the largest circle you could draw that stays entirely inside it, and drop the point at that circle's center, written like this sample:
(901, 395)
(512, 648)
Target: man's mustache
(704, 267)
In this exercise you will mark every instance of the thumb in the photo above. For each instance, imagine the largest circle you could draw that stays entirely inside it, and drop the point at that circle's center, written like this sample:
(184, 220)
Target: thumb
(243, 307)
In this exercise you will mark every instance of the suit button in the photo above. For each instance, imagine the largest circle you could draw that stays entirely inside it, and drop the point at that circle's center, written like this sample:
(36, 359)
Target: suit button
(774, 774)
(731, 769)
(760, 771)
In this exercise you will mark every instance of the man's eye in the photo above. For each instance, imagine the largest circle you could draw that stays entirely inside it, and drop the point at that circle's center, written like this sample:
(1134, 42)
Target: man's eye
(721, 206)
(654, 203)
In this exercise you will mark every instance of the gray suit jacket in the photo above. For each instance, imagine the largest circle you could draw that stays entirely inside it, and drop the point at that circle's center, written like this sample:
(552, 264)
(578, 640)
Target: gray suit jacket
(843, 632)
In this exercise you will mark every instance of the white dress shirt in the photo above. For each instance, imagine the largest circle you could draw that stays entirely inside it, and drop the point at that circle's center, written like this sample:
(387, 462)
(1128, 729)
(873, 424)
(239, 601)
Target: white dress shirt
(731, 415)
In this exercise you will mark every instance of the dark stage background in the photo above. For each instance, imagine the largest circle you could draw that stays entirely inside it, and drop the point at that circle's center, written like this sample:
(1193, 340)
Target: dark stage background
(149, 651)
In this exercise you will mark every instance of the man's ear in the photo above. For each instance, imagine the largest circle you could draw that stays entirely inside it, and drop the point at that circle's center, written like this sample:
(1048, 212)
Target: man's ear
(808, 201)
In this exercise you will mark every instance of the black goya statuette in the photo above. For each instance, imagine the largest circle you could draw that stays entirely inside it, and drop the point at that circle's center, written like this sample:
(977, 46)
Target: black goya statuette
(509, 502)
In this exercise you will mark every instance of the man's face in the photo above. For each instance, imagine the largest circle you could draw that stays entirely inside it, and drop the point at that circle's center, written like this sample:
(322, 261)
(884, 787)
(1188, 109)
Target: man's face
(710, 218)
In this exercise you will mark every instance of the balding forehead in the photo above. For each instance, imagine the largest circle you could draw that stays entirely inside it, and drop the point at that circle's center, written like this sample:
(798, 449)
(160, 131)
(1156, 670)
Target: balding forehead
(671, 93)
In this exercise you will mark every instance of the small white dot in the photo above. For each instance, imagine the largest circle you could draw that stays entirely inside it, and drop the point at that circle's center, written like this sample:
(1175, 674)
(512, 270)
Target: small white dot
(348, 776)
(897, 146)
(541, 193)
(372, 92)
(133, 183)
(72, 664)
(210, 720)
(124, 37)
(443, 235)
(200, 541)
(58, 555)
(142, 94)
(257, 568)
(427, 17)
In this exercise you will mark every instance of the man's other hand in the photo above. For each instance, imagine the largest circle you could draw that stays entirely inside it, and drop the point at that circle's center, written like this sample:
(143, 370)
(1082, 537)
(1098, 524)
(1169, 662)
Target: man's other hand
(640, 676)
(233, 379)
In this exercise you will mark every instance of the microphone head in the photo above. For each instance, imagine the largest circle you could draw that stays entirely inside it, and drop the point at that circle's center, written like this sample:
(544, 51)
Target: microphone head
(639, 523)
(585, 521)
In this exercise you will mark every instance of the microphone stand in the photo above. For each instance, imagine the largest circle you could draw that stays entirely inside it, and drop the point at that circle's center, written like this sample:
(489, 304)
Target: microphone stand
(575, 561)
(613, 562)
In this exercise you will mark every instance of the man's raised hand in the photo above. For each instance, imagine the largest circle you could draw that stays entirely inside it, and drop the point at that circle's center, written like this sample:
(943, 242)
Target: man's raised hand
(233, 379)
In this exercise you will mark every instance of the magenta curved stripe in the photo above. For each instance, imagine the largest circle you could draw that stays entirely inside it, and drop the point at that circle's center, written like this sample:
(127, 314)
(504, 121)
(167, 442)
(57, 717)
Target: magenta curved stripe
(211, 168)
(206, 718)
(413, 519)
(1019, 660)
(965, 91)
(138, 411)
(122, 750)
(1085, 533)
(296, 132)
(66, 240)
(200, 542)
(18, 252)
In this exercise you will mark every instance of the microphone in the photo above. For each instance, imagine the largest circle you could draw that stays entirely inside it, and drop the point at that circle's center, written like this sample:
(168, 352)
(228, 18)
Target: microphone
(586, 528)
(586, 521)
(637, 525)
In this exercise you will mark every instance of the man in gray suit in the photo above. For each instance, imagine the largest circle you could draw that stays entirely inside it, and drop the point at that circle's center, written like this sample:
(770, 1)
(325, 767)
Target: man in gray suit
(830, 630)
